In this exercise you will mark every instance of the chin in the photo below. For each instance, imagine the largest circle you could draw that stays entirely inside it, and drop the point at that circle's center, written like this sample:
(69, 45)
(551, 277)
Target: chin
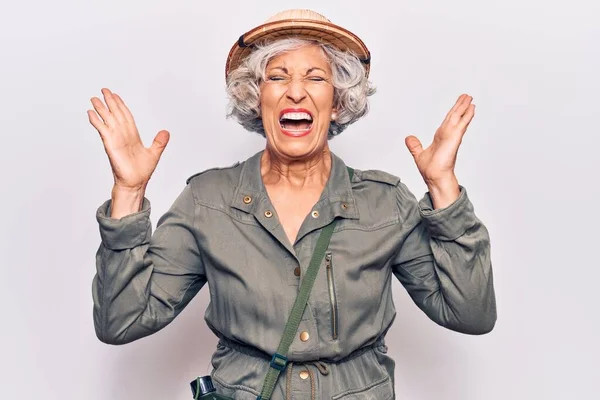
(296, 150)
(298, 147)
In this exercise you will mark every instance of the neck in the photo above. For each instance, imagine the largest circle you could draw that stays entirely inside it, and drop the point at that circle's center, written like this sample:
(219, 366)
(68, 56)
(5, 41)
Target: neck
(296, 173)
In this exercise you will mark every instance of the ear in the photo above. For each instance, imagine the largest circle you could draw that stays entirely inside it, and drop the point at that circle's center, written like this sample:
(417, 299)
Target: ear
(334, 114)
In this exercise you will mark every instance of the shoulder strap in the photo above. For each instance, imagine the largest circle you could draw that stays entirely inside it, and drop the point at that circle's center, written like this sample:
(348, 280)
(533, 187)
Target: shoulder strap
(279, 359)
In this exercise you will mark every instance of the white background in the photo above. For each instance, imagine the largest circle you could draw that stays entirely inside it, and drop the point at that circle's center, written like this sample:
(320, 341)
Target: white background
(529, 160)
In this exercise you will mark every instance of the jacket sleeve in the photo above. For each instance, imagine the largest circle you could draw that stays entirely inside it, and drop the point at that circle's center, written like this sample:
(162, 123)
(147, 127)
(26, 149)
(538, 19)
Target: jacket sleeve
(444, 263)
(144, 280)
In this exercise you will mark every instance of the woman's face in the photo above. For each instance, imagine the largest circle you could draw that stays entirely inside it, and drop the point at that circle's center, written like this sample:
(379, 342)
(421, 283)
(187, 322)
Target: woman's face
(297, 103)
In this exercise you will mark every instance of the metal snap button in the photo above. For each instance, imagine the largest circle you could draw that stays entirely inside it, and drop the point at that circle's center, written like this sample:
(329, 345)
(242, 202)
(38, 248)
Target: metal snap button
(315, 214)
(247, 199)
(297, 271)
(304, 336)
(268, 213)
(344, 206)
(303, 375)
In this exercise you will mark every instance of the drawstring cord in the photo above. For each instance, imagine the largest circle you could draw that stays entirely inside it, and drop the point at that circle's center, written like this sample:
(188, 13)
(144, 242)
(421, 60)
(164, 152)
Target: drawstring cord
(321, 367)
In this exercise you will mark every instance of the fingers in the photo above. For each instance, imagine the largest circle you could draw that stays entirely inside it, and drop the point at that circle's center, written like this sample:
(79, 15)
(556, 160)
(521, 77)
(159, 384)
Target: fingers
(467, 117)
(112, 116)
(160, 142)
(113, 106)
(414, 145)
(104, 112)
(459, 108)
(96, 122)
(124, 109)
(456, 104)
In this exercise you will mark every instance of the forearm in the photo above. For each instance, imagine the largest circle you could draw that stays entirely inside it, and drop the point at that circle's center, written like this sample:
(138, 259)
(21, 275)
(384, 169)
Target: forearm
(445, 264)
(118, 301)
(120, 286)
(458, 295)
(462, 297)
(144, 280)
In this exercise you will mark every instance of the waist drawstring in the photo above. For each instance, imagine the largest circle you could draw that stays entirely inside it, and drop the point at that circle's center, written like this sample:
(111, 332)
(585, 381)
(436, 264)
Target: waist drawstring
(321, 367)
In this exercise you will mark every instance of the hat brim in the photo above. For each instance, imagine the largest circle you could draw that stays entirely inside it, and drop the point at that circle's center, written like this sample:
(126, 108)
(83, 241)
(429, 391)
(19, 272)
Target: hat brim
(321, 31)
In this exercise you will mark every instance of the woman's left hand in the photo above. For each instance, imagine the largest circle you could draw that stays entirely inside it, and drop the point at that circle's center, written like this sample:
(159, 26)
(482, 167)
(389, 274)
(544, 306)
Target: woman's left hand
(436, 163)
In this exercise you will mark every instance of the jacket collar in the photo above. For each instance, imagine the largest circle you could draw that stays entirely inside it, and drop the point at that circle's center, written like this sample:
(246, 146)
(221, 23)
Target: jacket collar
(337, 199)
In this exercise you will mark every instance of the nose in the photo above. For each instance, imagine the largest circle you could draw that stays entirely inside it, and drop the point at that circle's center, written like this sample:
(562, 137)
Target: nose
(296, 91)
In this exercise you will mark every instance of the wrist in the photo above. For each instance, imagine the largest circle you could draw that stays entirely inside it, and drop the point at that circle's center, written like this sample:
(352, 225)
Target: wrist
(443, 192)
(442, 183)
(126, 201)
(117, 187)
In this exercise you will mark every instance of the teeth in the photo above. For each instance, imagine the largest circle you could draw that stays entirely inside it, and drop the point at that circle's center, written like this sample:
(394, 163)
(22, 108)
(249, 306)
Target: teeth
(296, 116)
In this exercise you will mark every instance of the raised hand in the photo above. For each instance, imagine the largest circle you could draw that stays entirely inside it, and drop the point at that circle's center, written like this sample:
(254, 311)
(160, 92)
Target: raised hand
(436, 163)
(132, 164)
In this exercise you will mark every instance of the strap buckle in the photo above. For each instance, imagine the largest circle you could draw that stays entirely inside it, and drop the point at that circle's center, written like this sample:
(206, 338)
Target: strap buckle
(279, 362)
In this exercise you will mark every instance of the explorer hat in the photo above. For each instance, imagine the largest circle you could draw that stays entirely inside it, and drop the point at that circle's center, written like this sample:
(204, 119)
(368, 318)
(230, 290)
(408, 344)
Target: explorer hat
(298, 23)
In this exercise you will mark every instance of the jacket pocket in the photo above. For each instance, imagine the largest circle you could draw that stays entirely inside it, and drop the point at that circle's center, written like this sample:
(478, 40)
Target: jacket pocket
(235, 374)
(332, 295)
(232, 392)
(380, 390)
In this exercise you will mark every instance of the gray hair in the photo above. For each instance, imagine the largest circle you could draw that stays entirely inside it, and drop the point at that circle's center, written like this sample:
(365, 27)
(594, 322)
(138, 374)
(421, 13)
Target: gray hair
(351, 86)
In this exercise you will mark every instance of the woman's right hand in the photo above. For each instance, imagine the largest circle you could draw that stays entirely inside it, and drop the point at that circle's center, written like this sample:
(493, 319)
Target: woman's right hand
(132, 164)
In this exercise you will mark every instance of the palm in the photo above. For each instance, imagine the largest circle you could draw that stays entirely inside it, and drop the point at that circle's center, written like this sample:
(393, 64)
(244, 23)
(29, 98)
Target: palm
(439, 159)
(132, 164)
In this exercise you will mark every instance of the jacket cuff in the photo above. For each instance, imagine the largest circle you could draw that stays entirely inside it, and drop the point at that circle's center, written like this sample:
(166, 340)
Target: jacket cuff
(450, 222)
(125, 233)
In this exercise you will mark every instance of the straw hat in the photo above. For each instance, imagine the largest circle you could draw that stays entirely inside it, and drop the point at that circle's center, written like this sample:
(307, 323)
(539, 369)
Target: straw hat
(304, 24)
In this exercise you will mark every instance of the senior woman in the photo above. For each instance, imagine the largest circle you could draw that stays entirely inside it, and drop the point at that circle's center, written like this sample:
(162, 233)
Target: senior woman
(251, 231)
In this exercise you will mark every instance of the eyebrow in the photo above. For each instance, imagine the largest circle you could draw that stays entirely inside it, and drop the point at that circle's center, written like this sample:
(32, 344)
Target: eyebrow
(284, 69)
(311, 69)
(316, 69)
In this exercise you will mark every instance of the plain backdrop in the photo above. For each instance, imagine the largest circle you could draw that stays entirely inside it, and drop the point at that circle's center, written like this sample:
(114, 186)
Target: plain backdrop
(529, 161)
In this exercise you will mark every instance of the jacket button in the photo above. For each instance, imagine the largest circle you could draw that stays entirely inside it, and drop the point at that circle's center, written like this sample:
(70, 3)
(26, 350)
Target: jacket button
(297, 271)
(304, 336)
(303, 374)
(247, 199)
(268, 213)
(315, 214)
(344, 206)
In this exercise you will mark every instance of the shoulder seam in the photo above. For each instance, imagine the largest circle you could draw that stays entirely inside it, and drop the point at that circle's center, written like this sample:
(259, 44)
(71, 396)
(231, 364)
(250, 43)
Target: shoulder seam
(210, 169)
(375, 175)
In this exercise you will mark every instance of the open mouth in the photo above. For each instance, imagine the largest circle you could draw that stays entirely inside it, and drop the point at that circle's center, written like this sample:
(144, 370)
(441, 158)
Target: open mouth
(296, 122)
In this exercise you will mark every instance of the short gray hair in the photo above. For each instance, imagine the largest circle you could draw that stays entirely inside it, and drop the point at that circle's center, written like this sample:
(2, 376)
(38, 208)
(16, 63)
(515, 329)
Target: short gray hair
(351, 86)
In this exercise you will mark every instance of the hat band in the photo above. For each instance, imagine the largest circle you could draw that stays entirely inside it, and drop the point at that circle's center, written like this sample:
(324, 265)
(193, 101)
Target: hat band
(241, 42)
(243, 45)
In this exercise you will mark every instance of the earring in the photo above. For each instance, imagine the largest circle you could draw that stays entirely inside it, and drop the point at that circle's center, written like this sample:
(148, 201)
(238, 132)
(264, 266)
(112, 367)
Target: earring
(333, 116)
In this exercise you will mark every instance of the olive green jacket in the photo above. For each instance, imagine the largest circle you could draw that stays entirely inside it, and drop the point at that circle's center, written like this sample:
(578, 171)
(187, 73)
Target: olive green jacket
(223, 230)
